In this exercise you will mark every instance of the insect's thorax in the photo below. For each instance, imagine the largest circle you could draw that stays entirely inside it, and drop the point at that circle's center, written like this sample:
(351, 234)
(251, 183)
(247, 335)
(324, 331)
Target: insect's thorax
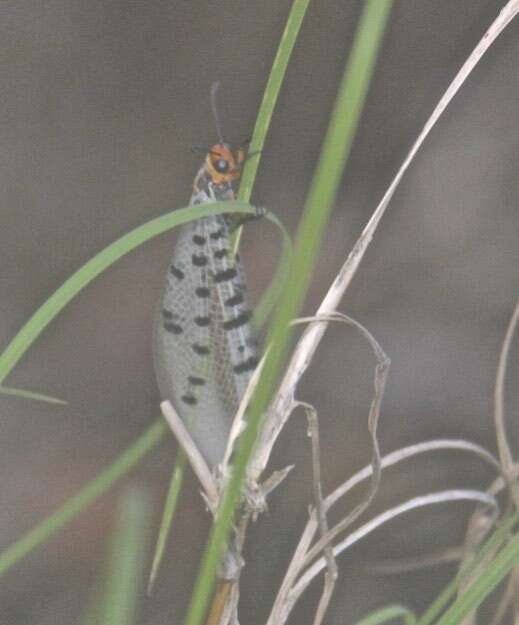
(206, 189)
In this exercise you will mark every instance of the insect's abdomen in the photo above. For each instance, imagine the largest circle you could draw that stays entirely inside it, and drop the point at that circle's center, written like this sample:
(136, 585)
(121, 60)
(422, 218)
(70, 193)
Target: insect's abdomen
(204, 348)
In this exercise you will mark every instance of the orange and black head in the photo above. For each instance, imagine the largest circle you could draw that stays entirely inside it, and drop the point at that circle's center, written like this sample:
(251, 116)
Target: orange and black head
(223, 164)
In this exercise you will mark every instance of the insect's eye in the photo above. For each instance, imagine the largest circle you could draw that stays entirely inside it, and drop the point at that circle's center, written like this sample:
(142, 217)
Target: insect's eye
(221, 165)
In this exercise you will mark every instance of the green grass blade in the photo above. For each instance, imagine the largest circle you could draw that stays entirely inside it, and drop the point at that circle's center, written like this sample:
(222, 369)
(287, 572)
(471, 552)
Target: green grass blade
(337, 144)
(127, 559)
(23, 394)
(270, 96)
(496, 540)
(90, 270)
(483, 585)
(89, 493)
(440, 603)
(170, 506)
(389, 613)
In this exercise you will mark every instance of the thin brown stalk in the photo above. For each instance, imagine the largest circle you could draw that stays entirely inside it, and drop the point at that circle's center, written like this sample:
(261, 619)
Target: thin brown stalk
(331, 574)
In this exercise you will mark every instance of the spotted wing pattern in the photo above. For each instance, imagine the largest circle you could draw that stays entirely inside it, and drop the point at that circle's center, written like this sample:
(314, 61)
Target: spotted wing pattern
(204, 347)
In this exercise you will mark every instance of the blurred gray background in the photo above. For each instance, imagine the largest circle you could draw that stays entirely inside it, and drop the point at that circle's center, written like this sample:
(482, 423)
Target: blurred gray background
(100, 105)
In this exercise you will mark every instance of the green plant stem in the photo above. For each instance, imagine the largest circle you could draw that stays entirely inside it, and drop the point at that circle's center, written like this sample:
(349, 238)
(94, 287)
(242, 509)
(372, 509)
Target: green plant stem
(127, 558)
(170, 506)
(389, 613)
(23, 394)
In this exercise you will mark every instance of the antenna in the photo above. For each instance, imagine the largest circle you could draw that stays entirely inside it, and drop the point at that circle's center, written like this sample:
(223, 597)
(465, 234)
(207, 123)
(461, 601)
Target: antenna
(214, 89)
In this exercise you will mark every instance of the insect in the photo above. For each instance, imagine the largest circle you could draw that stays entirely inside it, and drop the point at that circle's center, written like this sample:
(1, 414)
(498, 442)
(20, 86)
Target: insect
(204, 347)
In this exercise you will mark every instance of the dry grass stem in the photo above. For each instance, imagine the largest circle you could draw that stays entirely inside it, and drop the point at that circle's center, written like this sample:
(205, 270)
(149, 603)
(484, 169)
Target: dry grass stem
(196, 459)
(331, 574)
(322, 521)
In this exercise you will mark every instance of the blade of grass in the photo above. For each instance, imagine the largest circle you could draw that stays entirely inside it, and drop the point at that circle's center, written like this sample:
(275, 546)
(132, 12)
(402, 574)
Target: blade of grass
(268, 103)
(270, 96)
(175, 486)
(89, 493)
(337, 144)
(483, 585)
(491, 545)
(99, 263)
(127, 559)
(23, 394)
(389, 613)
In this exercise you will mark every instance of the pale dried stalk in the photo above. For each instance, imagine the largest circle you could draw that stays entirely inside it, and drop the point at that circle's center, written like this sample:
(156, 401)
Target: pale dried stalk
(313, 428)
(195, 457)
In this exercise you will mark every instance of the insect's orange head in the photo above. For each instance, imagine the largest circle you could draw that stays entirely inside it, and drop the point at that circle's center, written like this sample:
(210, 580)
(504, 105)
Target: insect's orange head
(223, 164)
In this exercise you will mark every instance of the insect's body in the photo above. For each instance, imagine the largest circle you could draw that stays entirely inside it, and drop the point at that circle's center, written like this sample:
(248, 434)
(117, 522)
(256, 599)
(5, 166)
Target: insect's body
(204, 347)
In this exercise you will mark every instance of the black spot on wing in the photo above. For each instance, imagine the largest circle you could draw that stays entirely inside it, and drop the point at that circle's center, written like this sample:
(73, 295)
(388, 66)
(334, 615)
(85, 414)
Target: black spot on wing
(221, 253)
(234, 300)
(174, 328)
(201, 350)
(247, 365)
(225, 275)
(178, 273)
(198, 239)
(199, 260)
(195, 380)
(217, 234)
(237, 321)
(202, 291)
